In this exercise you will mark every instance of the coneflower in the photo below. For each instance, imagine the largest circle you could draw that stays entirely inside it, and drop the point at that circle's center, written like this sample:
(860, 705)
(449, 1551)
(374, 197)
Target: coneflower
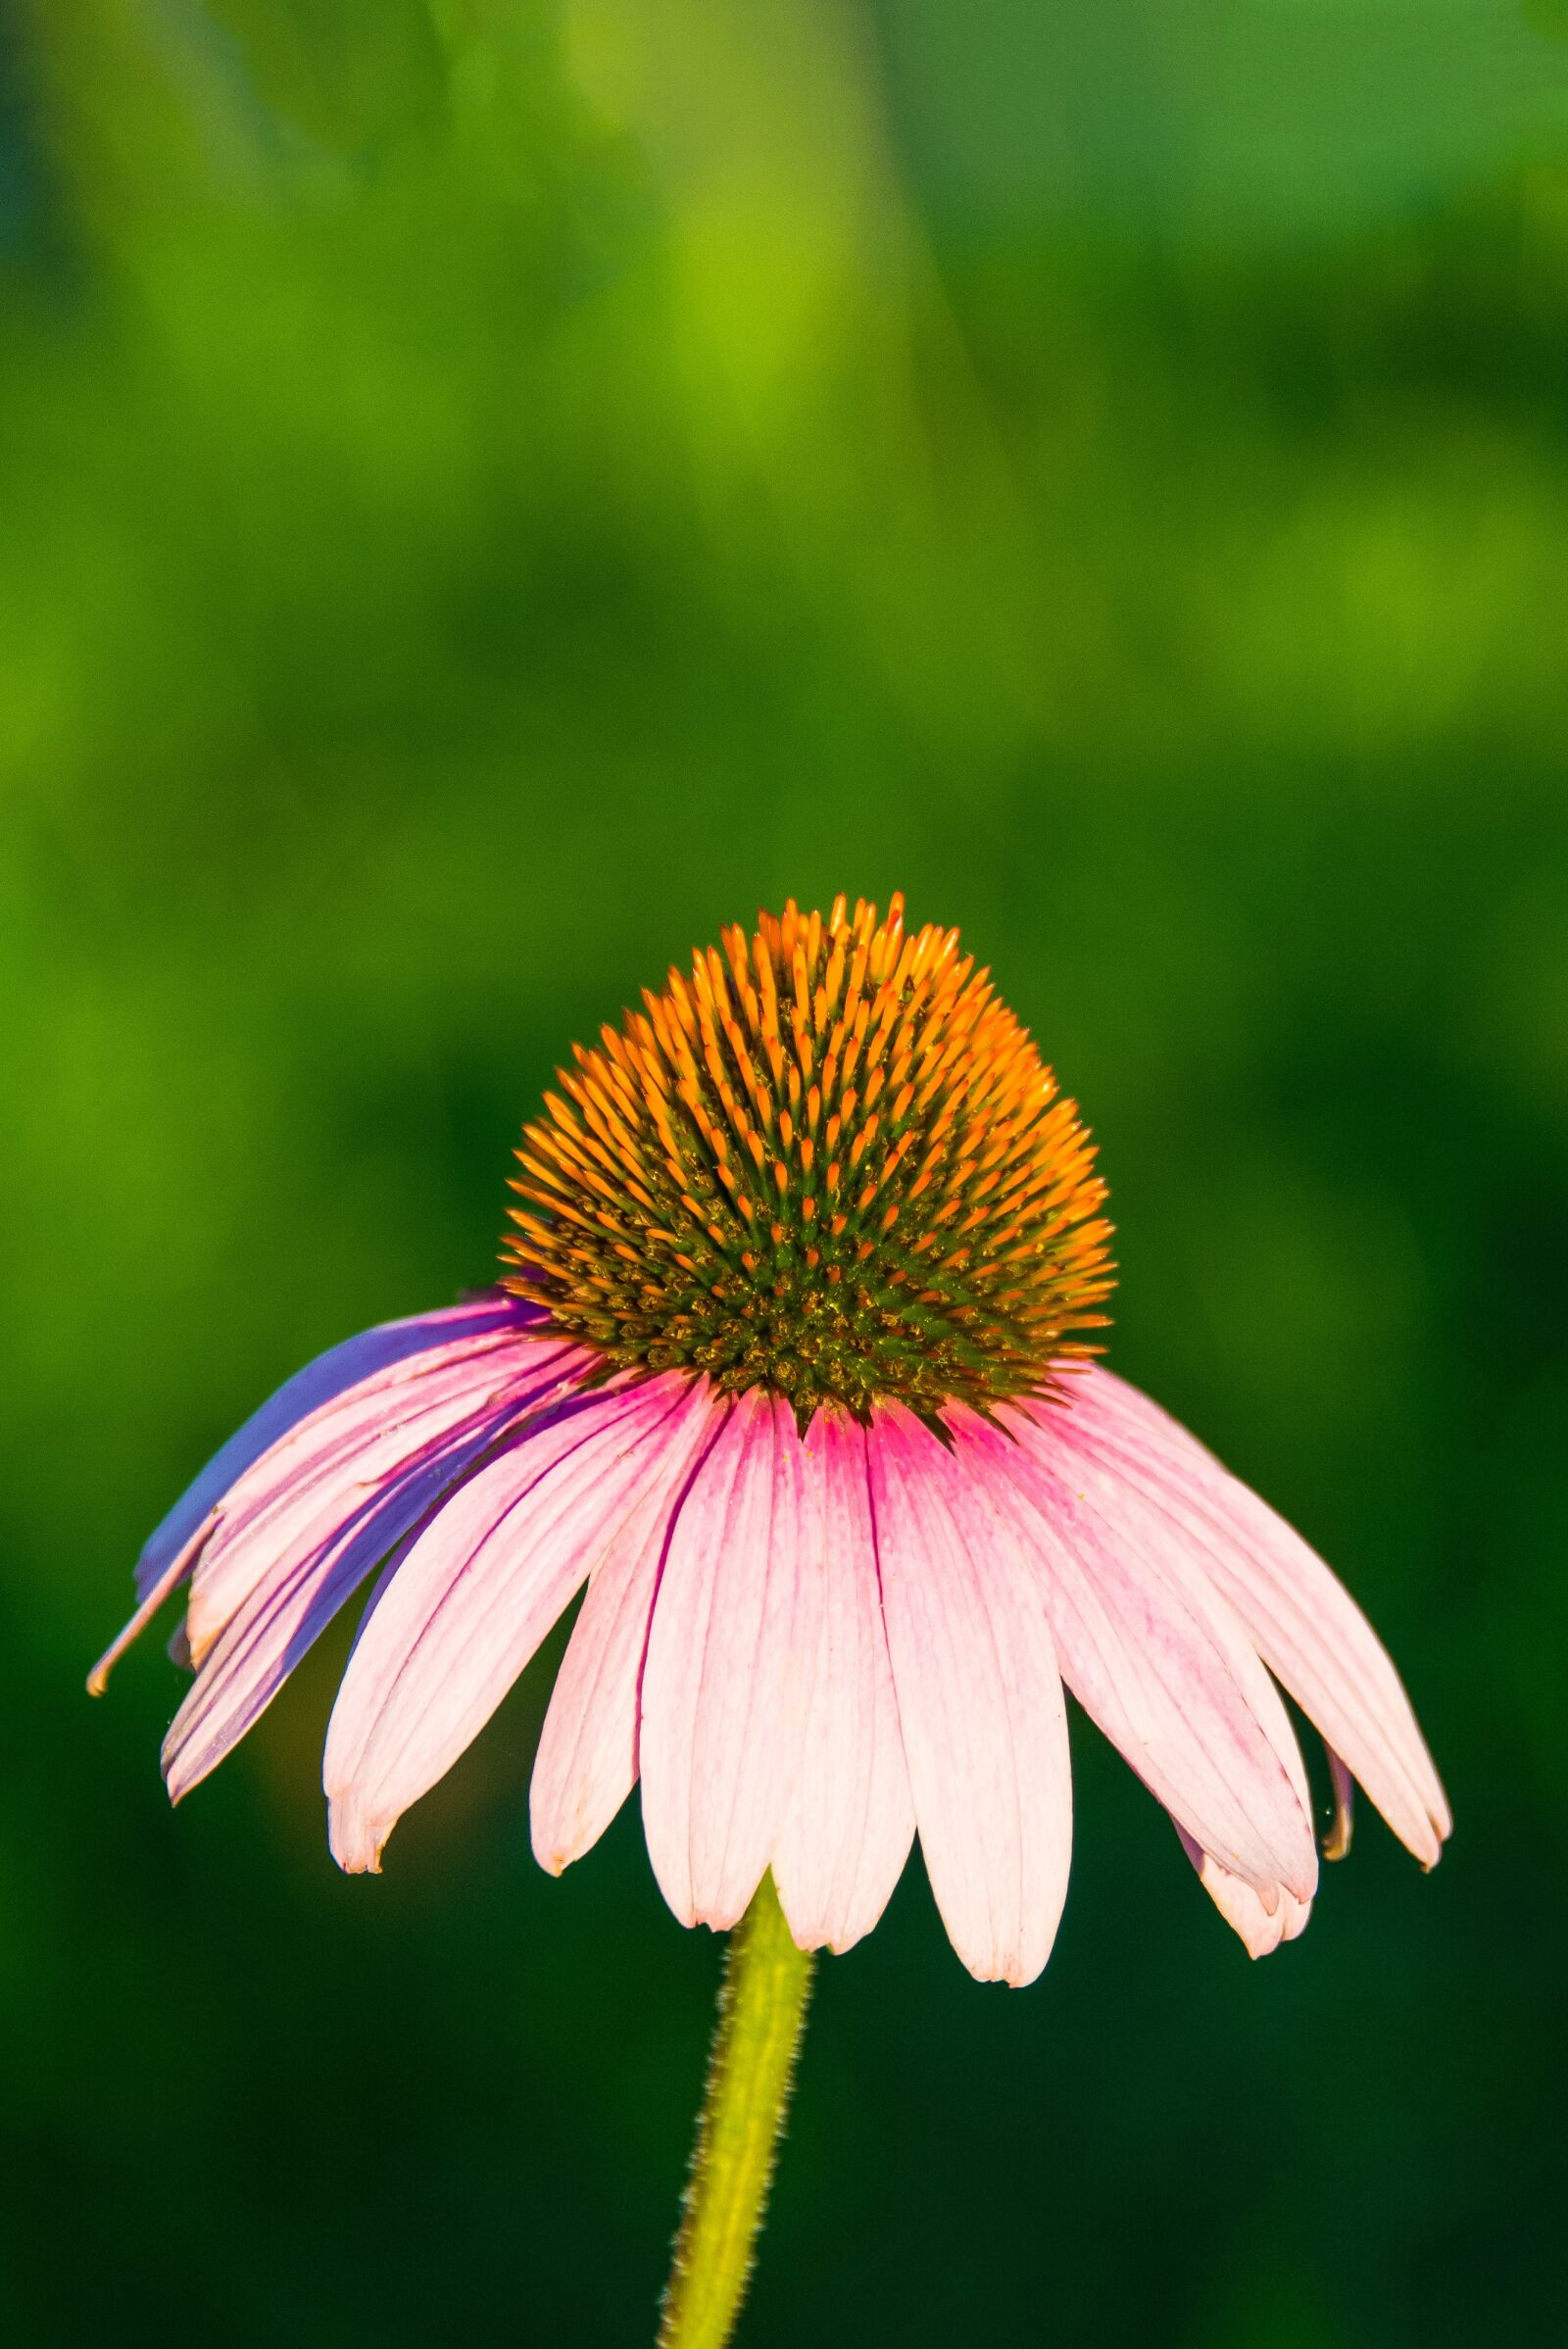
(792, 1365)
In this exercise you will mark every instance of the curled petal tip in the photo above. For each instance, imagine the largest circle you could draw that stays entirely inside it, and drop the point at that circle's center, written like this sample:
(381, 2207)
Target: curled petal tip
(1337, 1840)
(1262, 1916)
(174, 1573)
(98, 1676)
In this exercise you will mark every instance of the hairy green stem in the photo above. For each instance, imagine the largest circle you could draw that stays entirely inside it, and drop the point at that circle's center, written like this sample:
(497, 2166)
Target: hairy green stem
(762, 2008)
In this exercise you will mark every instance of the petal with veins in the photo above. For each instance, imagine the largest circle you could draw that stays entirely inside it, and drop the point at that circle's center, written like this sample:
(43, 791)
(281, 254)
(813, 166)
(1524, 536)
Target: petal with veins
(980, 1702)
(457, 1623)
(1304, 1622)
(731, 1658)
(849, 1828)
(586, 1765)
(378, 1353)
(1152, 1654)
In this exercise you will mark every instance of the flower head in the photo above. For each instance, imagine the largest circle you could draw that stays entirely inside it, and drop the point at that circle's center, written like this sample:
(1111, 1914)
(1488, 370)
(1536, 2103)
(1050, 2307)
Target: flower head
(830, 1163)
(778, 1372)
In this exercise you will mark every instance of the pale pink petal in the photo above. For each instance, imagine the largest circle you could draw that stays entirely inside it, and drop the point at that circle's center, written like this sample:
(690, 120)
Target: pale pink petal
(1304, 1622)
(1261, 1930)
(332, 1464)
(373, 1352)
(1152, 1654)
(303, 1569)
(731, 1656)
(1263, 1915)
(980, 1702)
(849, 1828)
(586, 1765)
(475, 1595)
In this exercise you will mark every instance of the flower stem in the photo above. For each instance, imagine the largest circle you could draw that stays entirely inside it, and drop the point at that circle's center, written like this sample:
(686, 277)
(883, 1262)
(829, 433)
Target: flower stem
(762, 2008)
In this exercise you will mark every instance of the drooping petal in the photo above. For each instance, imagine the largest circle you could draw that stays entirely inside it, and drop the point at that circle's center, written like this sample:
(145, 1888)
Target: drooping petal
(848, 1832)
(330, 1467)
(1263, 1915)
(731, 1657)
(373, 1353)
(477, 1591)
(1177, 1684)
(1152, 1655)
(1305, 1625)
(980, 1702)
(586, 1764)
(292, 1567)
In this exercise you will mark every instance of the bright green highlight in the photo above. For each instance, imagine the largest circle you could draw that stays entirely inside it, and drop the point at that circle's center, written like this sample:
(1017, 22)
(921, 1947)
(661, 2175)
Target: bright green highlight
(762, 2010)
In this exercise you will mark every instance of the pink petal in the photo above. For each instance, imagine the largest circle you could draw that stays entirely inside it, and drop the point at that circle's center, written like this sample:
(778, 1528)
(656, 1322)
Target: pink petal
(328, 1469)
(1152, 1654)
(301, 1566)
(586, 1765)
(1305, 1625)
(980, 1702)
(477, 1591)
(849, 1828)
(1260, 1928)
(1263, 1915)
(731, 1654)
(373, 1352)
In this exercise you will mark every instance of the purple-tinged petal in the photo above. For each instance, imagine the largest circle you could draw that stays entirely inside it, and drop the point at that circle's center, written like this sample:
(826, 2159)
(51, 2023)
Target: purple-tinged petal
(1152, 1654)
(371, 1353)
(331, 1466)
(458, 1622)
(297, 1567)
(980, 1702)
(1304, 1622)
(848, 1827)
(586, 1764)
(731, 1655)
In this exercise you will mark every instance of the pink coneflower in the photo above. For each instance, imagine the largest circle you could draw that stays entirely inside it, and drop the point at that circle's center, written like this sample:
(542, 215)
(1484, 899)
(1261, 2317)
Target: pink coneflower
(789, 1370)
(791, 1373)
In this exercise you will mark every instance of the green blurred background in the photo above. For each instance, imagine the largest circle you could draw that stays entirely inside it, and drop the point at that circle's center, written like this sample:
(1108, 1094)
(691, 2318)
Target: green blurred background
(493, 489)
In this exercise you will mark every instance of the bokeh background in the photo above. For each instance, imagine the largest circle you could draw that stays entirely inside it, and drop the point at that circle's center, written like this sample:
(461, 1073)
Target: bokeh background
(494, 488)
